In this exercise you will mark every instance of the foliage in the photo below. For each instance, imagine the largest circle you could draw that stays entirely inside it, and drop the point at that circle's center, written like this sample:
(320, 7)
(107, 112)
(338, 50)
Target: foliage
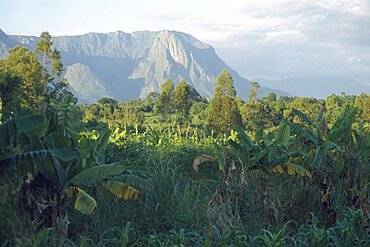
(52, 167)
(164, 103)
(181, 98)
(26, 76)
(224, 113)
(56, 86)
(255, 91)
(23, 68)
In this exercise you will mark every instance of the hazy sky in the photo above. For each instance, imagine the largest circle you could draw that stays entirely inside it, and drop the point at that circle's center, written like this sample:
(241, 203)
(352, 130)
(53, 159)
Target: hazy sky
(273, 39)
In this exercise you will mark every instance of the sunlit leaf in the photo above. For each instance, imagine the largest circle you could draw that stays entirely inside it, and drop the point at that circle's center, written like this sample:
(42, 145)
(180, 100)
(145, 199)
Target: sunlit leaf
(301, 115)
(83, 201)
(201, 159)
(121, 190)
(325, 197)
(291, 170)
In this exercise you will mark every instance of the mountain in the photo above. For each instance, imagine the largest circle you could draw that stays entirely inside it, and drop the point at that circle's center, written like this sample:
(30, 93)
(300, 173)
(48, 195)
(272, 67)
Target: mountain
(319, 87)
(130, 65)
(84, 85)
(6, 43)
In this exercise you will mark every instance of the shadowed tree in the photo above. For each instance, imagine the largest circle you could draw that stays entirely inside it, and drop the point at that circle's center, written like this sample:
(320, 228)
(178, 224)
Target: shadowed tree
(181, 98)
(164, 103)
(271, 96)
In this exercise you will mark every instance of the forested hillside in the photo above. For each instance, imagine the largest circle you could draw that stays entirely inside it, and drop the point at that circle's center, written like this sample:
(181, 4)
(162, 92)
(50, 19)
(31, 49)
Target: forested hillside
(176, 168)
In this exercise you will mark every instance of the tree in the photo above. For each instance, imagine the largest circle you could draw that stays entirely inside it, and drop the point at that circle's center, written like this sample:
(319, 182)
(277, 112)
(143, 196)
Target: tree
(132, 112)
(27, 76)
(224, 113)
(271, 96)
(10, 95)
(21, 79)
(108, 107)
(167, 87)
(56, 86)
(362, 102)
(255, 91)
(257, 114)
(150, 101)
(181, 98)
(199, 113)
(164, 103)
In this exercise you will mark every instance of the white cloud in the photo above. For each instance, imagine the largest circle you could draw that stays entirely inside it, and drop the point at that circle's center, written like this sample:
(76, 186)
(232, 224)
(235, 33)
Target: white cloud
(354, 60)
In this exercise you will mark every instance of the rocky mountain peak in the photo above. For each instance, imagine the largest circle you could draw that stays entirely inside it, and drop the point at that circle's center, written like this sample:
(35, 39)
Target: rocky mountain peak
(131, 65)
(166, 47)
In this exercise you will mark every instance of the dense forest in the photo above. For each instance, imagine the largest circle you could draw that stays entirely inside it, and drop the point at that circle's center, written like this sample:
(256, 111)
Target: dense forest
(177, 169)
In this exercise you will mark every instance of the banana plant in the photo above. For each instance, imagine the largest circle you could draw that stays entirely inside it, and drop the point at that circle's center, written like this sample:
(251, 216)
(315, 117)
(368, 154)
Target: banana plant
(340, 172)
(43, 151)
(323, 143)
(268, 153)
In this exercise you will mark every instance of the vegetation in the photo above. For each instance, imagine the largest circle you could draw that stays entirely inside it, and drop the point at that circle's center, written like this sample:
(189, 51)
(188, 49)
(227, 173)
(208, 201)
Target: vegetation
(175, 169)
(224, 113)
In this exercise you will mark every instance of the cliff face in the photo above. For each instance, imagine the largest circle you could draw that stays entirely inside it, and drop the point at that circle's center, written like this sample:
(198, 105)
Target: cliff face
(85, 86)
(130, 65)
(180, 56)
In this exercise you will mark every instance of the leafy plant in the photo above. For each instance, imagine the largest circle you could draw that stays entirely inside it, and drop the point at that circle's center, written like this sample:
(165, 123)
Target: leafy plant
(54, 167)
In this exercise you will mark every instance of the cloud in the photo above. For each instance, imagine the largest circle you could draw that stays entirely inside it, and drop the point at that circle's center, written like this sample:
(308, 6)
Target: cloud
(281, 38)
(291, 38)
(354, 60)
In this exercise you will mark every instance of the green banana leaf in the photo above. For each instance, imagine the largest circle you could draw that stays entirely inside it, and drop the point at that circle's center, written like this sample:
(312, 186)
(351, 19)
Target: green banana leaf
(97, 174)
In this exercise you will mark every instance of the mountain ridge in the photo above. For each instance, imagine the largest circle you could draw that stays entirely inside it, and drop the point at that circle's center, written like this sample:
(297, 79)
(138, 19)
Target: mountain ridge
(130, 65)
(307, 86)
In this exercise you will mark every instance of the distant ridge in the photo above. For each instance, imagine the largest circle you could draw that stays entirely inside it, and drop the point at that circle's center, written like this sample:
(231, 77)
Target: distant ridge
(5, 43)
(130, 65)
(313, 86)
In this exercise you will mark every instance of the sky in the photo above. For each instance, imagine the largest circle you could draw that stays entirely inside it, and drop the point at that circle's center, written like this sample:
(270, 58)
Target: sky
(273, 39)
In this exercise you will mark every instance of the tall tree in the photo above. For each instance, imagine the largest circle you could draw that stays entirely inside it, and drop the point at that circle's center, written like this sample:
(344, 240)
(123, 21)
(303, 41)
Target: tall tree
(181, 98)
(56, 86)
(224, 113)
(43, 48)
(164, 103)
(255, 91)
